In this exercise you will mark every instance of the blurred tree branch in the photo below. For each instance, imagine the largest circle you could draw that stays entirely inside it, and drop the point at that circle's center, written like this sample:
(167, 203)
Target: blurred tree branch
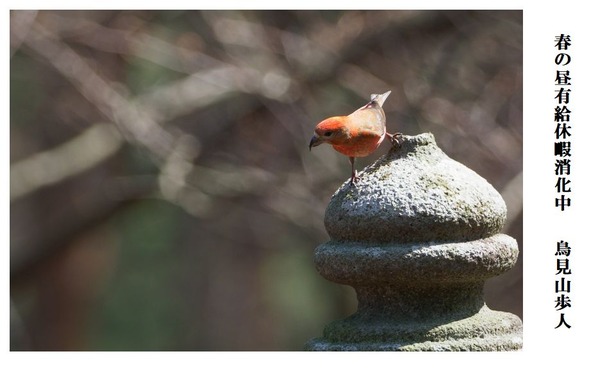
(75, 156)
(21, 22)
(132, 120)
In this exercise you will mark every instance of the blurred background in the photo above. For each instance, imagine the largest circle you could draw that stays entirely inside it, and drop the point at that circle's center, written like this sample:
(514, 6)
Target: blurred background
(162, 195)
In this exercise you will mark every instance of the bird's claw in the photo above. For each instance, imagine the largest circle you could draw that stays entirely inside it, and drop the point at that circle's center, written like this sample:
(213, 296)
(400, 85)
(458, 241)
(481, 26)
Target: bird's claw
(396, 139)
(354, 179)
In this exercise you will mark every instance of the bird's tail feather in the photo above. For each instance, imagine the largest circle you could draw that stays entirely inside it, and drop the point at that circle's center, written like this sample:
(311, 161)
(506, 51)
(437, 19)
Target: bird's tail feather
(380, 98)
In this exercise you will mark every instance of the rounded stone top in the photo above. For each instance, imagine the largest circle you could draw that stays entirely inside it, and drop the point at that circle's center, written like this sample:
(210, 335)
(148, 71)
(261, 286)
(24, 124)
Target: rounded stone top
(415, 193)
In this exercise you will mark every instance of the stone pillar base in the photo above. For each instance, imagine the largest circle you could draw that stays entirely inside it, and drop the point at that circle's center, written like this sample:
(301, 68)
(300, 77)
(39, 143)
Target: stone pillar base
(487, 330)
(417, 237)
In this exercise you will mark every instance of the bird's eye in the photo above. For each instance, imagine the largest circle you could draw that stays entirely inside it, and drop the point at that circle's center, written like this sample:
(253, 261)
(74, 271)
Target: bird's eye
(327, 134)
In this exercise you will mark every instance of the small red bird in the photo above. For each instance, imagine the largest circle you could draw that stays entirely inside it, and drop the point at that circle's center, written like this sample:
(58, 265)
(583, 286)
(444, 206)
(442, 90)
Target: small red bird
(355, 135)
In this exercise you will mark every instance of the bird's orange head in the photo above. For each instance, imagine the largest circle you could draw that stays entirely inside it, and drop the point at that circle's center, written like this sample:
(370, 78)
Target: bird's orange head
(332, 130)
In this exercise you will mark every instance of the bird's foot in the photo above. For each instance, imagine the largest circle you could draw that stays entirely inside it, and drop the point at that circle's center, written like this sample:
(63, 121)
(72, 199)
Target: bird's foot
(396, 139)
(354, 179)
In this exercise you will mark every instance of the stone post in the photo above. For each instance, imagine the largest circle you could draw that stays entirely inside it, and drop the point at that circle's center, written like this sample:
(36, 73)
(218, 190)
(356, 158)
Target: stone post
(417, 237)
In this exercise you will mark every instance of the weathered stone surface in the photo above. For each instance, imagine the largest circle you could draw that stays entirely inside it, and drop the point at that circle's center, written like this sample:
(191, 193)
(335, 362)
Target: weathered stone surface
(487, 330)
(417, 263)
(415, 193)
(416, 238)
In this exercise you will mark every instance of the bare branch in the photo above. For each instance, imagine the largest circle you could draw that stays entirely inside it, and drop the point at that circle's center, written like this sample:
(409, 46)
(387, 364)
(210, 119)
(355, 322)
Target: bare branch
(20, 24)
(69, 159)
(132, 120)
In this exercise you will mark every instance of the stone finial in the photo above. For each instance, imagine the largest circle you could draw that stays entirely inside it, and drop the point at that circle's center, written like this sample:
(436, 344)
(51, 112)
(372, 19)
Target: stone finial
(417, 237)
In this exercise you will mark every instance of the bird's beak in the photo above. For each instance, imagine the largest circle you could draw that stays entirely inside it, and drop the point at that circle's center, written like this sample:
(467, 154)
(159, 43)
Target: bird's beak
(314, 141)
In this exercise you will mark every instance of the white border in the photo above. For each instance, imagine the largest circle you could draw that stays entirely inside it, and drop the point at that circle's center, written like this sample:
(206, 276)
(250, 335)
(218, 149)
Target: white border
(549, 358)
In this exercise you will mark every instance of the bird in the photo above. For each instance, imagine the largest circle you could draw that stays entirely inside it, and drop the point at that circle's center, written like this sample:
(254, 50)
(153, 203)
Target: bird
(358, 134)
